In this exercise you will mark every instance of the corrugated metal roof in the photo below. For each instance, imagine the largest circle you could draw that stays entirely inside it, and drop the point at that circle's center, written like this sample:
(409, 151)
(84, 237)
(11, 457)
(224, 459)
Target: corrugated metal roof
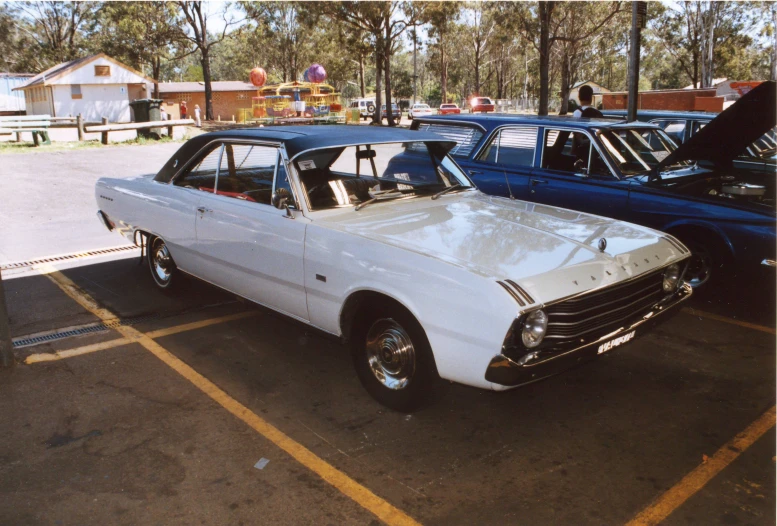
(199, 87)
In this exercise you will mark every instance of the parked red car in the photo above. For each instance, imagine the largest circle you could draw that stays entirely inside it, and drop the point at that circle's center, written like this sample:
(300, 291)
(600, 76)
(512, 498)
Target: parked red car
(481, 105)
(449, 109)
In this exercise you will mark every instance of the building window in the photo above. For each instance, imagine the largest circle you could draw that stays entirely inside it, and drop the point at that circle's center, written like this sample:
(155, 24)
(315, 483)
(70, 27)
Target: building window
(242, 96)
(75, 91)
(102, 71)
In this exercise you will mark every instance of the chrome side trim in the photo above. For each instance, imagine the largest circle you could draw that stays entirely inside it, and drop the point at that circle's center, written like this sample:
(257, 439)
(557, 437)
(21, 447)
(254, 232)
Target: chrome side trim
(676, 244)
(769, 263)
(512, 293)
(520, 291)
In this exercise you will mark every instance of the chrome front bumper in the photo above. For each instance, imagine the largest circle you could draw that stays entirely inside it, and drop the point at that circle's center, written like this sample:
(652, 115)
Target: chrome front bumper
(503, 370)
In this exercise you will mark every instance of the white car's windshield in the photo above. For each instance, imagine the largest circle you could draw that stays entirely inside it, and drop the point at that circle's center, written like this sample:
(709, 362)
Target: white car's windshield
(353, 175)
(637, 151)
(421, 106)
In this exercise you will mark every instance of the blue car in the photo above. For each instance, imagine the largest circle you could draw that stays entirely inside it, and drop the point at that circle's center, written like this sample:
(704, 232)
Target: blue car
(635, 172)
(682, 125)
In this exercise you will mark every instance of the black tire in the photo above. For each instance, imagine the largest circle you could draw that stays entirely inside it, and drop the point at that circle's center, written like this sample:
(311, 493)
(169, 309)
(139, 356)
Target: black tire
(163, 270)
(405, 360)
(709, 263)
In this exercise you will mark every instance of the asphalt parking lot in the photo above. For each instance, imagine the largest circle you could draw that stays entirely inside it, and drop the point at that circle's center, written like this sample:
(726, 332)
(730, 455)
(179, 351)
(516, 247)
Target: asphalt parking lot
(162, 416)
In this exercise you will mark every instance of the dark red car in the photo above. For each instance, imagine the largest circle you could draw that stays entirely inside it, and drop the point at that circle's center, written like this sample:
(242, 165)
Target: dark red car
(449, 109)
(481, 105)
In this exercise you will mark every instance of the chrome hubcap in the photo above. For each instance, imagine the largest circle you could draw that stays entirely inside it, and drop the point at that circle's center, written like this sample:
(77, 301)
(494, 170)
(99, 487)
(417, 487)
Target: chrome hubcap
(390, 354)
(699, 269)
(162, 262)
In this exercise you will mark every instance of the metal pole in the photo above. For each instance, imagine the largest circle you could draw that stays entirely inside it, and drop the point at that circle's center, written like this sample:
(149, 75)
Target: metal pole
(6, 347)
(636, 34)
(415, 72)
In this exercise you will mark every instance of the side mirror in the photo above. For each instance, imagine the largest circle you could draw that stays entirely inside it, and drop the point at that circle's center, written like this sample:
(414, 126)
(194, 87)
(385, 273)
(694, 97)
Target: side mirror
(581, 167)
(280, 198)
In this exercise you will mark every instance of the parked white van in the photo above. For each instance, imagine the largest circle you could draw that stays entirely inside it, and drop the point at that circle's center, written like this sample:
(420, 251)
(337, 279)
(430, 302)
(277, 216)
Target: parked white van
(366, 107)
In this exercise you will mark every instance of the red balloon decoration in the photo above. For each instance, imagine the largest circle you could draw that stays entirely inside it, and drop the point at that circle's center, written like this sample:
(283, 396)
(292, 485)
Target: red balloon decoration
(316, 73)
(258, 77)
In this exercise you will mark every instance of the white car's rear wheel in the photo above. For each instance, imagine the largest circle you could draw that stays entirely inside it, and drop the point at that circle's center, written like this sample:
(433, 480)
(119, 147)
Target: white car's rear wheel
(392, 357)
(161, 264)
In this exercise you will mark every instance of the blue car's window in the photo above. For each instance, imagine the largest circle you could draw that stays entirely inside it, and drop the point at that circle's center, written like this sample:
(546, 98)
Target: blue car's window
(466, 137)
(512, 146)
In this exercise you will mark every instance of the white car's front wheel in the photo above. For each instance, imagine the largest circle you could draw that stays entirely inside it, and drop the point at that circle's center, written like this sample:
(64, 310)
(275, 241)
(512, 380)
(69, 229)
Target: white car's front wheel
(392, 357)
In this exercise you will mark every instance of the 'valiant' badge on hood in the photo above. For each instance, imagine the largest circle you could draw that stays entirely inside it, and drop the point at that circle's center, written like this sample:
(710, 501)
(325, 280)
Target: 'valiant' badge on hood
(602, 244)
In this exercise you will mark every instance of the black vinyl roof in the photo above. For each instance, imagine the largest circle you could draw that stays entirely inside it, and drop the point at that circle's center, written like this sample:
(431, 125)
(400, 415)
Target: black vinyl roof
(298, 139)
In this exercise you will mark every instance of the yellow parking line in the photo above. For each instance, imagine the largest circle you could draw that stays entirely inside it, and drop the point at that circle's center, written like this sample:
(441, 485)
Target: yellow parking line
(732, 321)
(86, 349)
(345, 484)
(696, 479)
(199, 324)
(78, 351)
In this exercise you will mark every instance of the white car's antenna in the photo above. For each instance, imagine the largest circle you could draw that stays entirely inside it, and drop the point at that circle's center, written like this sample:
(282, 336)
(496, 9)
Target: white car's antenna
(507, 180)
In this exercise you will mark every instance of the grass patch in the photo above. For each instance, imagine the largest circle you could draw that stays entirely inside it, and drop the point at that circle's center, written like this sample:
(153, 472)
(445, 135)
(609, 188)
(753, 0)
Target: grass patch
(29, 147)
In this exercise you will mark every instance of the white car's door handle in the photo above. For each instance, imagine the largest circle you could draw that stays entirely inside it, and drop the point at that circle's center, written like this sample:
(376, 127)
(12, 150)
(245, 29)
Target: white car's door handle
(202, 209)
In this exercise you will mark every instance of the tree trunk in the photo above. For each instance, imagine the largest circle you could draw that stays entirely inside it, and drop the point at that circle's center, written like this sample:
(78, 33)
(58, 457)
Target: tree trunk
(773, 69)
(545, 10)
(477, 71)
(378, 75)
(387, 72)
(564, 84)
(156, 66)
(361, 76)
(444, 70)
(208, 90)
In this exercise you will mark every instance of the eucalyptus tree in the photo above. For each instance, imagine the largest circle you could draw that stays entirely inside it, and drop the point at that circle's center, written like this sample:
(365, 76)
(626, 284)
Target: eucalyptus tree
(442, 18)
(196, 32)
(57, 31)
(140, 33)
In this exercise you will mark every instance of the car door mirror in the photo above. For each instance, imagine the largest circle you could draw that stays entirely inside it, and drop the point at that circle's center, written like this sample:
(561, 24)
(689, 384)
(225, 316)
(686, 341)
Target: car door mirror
(580, 167)
(280, 198)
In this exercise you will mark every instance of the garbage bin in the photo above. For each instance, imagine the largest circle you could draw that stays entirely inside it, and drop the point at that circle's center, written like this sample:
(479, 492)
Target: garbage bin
(147, 110)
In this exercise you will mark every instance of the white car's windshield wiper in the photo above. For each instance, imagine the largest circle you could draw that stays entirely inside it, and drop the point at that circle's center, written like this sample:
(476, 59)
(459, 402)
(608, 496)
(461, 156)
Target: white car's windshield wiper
(382, 195)
(446, 190)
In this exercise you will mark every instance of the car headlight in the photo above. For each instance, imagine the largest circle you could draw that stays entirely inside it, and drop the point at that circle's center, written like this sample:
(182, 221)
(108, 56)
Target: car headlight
(534, 328)
(671, 277)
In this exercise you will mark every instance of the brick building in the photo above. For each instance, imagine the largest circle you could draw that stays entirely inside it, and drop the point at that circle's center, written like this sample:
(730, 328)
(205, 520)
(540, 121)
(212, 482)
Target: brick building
(228, 97)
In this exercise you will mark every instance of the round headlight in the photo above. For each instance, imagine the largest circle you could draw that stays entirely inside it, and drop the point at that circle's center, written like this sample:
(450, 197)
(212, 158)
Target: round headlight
(534, 328)
(671, 277)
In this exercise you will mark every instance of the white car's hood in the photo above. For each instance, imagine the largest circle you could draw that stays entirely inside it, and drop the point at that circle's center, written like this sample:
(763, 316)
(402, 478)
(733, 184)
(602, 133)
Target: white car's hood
(551, 252)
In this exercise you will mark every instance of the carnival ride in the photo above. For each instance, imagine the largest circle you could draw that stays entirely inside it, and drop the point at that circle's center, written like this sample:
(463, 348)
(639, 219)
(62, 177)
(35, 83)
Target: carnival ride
(307, 99)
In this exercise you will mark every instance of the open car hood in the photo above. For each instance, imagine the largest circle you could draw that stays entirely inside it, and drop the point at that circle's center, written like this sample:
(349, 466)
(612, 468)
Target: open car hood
(728, 135)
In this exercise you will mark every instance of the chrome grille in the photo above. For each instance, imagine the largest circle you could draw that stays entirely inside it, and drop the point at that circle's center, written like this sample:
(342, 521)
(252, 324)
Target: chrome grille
(603, 310)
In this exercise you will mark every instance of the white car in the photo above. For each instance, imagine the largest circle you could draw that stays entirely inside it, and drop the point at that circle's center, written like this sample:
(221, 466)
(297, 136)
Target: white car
(419, 110)
(377, 236)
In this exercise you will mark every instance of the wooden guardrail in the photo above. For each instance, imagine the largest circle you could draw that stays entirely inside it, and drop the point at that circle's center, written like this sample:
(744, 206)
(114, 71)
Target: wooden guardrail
(105, 127)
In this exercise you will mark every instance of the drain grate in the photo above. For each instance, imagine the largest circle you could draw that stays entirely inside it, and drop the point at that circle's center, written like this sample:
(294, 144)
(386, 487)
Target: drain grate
(52, 259)
(26, 341)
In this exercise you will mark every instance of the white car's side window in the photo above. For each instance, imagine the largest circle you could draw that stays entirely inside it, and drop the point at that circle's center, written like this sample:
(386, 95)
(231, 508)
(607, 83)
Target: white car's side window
(247, 172)
(202, 175)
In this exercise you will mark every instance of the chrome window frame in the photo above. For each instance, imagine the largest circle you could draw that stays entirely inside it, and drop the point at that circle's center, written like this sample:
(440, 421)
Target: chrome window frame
(302, 189)
(279, 146)
(592, 143)
(496, 133)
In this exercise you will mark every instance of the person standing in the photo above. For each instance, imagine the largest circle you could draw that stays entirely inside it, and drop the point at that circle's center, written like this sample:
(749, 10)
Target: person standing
(182, 107)
(163, 113)
(197, 116)
(586, 96)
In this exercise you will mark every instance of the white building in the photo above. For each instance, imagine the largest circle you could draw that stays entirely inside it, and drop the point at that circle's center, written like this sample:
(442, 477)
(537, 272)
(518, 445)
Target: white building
(96, 87)
(12, 103)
